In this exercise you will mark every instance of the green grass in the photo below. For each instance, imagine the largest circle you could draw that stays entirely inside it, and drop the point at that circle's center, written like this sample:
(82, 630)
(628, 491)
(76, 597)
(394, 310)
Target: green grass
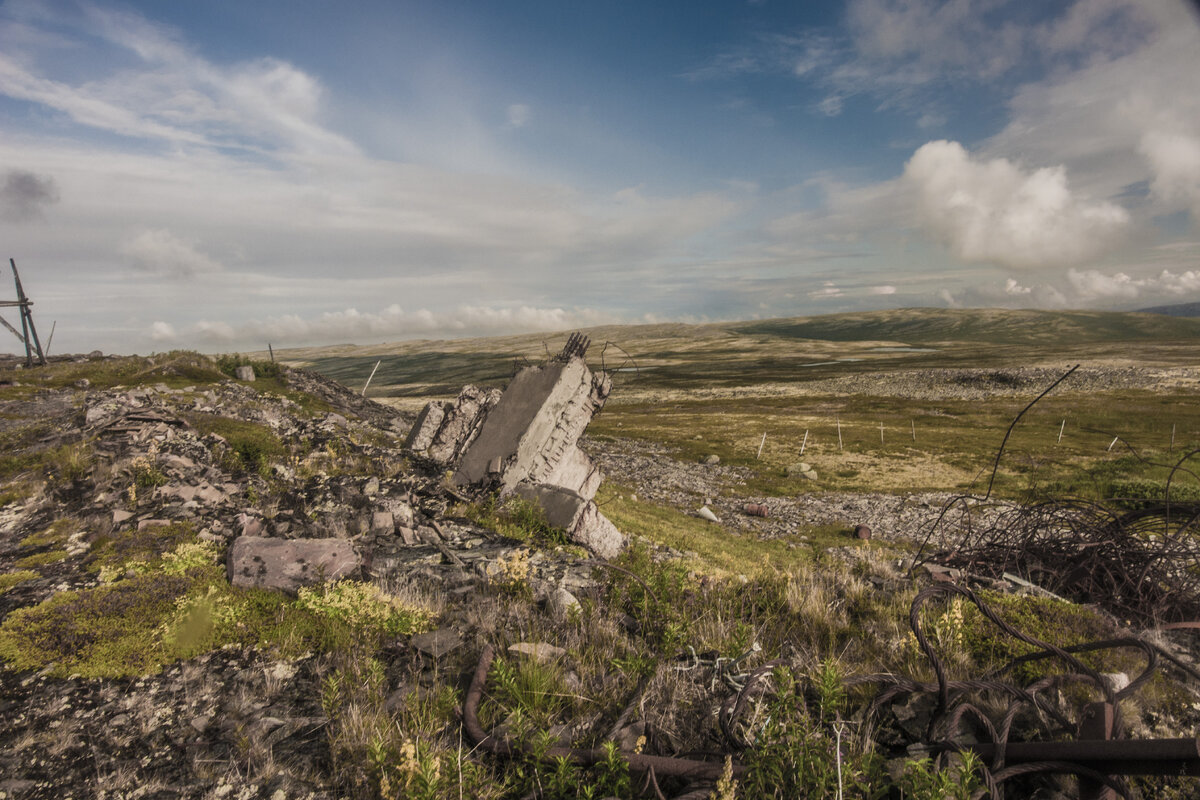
(10, 579)
(252, 447)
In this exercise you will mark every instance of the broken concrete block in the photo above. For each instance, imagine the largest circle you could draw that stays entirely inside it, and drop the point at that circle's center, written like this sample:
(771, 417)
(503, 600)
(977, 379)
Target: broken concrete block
(445, 430)
(576, 472)
(288, 564)
(537, 421)
(426, 427)
(578, 516)
(244, 373)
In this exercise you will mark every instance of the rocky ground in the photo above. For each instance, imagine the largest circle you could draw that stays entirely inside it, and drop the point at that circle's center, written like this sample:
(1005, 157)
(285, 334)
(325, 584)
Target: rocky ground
(313, 460)
(193, 729)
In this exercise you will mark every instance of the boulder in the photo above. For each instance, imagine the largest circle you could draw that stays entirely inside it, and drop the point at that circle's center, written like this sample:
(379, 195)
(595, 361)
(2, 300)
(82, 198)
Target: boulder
(288, 564)
(244, 373)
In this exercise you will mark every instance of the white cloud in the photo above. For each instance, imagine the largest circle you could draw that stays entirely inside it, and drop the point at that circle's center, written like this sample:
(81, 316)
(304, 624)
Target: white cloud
(1092, 285)
(1175, 162)
(161, 252)
(1013, 288)
(994, 211)
(881, 290)
(391, 322)
(163, 332)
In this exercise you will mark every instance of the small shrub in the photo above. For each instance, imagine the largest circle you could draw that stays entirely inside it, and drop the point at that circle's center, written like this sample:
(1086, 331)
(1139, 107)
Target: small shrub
(10, 579)
(364, 607)
(228, 364)
(42, 559)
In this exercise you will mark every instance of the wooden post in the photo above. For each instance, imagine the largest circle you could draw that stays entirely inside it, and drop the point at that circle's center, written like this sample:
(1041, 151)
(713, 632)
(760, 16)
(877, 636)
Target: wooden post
(1110, 444)
(914, 429)
(881, 432)
(1097, 723)
(271, 350)
(802, 444)
(1172, 438)
(839, 424)
(760, 446)
(1060, 430)
(51, 339)
(372, 375)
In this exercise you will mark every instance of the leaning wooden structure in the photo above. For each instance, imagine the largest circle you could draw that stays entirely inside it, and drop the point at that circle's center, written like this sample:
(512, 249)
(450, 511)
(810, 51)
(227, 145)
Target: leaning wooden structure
(28, 333)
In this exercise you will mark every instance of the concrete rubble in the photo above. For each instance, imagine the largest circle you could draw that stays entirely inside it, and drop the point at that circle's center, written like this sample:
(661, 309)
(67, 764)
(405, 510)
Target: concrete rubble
(524, 442)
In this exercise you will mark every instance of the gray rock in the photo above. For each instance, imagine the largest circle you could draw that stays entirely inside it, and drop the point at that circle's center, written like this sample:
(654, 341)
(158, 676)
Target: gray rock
(437, 643)
(711, 459)
(579, 517)
(561, 603)
(244, 373)
(288, 564)
(542, 652)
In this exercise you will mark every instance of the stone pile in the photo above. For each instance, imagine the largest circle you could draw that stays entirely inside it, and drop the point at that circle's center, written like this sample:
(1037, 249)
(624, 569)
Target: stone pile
(524, 442)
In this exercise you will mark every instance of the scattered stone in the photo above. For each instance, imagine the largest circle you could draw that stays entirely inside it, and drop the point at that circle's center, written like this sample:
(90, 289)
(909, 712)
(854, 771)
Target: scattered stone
(244, 373)
(712, 459)
(436, 644)
(288, 564)
(562, 603)
(542, 652)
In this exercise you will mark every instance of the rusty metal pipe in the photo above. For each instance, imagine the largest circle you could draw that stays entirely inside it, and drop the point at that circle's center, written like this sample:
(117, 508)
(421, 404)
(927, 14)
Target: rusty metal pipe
(1112, 757)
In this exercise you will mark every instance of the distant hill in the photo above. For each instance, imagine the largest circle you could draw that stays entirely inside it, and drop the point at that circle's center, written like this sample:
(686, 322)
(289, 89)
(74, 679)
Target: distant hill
(676, 355)
(1176, 310)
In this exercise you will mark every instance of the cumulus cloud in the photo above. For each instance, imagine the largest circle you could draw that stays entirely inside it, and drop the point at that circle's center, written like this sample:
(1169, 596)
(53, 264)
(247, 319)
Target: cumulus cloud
(1174, 159)
(1091, 285)
(24, 195)
(995, 211)
(163, 332)
(392, 322)
(881, 290)
(1015, 289)
(161, 252)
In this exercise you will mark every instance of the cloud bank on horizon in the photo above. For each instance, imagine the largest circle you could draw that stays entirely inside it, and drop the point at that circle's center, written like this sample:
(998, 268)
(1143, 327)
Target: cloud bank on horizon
(225, 174)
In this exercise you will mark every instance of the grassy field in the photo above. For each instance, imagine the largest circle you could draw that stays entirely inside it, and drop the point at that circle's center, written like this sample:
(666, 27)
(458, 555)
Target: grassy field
(718, 388)
(789, 351)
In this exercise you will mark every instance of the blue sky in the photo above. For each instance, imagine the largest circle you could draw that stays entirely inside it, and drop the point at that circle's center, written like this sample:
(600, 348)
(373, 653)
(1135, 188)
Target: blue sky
(218, 175)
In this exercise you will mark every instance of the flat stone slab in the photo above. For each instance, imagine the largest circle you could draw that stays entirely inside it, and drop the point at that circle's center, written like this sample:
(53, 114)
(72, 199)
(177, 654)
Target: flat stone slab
(437, 643)
(287, 564)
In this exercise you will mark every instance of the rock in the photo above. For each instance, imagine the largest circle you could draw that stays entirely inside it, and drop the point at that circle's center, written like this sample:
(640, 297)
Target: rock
(244, 373)
(121, 515)
(383, 522)
(371, 487)
(562, 603)
(706, 513)
(711, 459)
(288, 564)
(542, 652)
(437, 643)
(862, 532)
(579, 517)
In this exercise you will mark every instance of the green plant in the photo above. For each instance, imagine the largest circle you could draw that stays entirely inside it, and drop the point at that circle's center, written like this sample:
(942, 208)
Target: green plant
(229, 362)
(10, 579)
(796, 754)
(922, 780)
(363, 607)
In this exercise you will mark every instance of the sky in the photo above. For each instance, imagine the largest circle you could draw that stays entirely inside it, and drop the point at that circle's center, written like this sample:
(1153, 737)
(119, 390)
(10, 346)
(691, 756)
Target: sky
(219, 175)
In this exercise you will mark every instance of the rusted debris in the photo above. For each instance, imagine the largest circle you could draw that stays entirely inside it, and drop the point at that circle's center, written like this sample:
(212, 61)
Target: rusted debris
(756, 510)
(862, 532)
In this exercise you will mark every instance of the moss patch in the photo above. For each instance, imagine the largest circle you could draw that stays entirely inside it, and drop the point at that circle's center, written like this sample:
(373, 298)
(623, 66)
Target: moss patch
(10, 579)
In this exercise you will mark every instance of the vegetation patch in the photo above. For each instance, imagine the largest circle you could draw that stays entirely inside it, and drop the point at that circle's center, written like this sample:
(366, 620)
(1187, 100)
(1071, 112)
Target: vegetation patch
(15, 578)
(252, 448)
(515, 518)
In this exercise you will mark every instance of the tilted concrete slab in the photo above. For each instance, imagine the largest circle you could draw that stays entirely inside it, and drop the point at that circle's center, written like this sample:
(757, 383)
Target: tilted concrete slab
(535, 425)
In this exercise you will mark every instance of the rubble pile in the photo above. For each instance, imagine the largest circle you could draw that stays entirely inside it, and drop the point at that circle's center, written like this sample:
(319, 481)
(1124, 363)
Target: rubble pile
(525, 442)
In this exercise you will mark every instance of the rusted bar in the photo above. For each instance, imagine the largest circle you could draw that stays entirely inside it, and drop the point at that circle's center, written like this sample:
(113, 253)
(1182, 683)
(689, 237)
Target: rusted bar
(756, 510)
(1113, 757)
(663, 766)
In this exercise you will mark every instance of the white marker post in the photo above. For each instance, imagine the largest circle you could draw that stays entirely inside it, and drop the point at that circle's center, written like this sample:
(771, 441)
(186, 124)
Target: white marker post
(802, 444)
(1060, 430)
(372, 375)
(760, 446)
(839, 424)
